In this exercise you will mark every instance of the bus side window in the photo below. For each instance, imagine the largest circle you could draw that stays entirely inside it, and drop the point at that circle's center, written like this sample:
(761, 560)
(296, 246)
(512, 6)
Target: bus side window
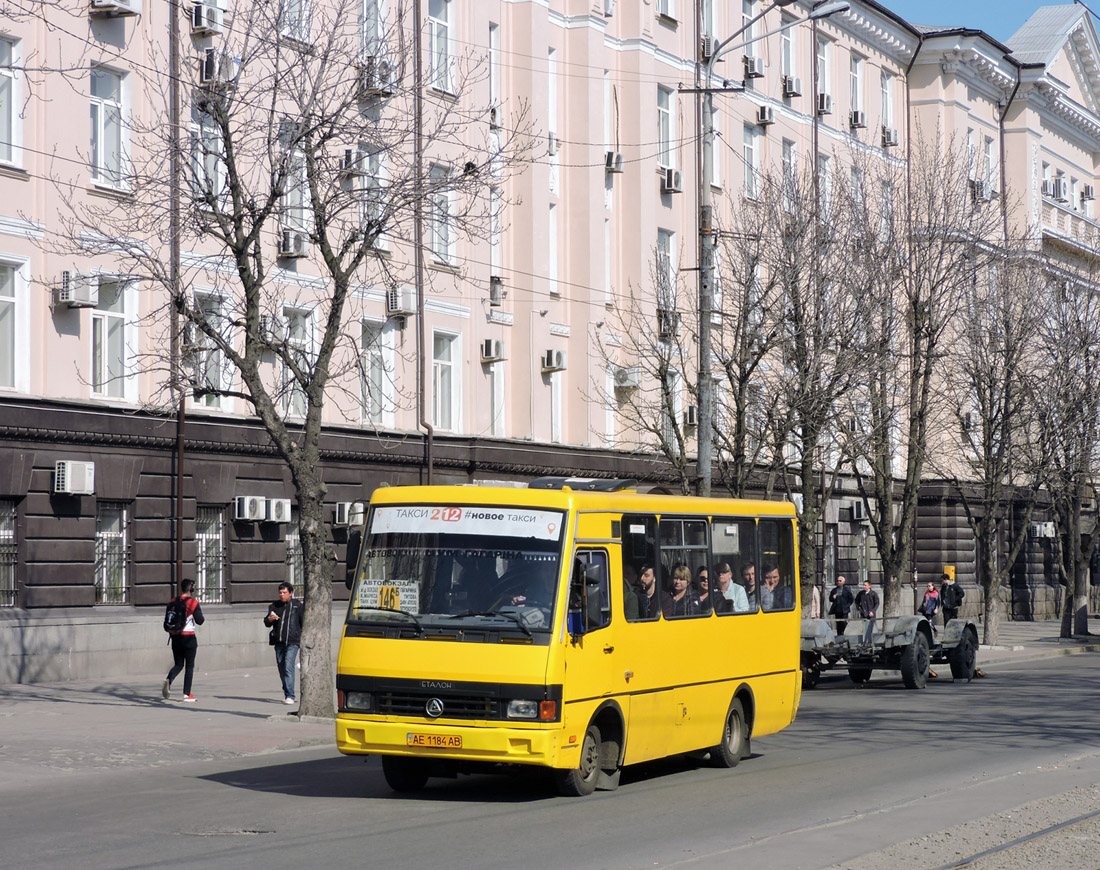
(640, 569)
(734, 565)
(776, 574)
(599, 592)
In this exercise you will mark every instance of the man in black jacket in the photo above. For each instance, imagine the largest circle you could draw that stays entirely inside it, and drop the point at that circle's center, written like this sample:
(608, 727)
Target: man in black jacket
(951, 597)
(840, 604)
(867, 605)
(284, 617)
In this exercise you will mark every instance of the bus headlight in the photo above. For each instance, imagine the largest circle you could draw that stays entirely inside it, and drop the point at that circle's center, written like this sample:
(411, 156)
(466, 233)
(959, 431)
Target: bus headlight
(523, 709)
(358, 701)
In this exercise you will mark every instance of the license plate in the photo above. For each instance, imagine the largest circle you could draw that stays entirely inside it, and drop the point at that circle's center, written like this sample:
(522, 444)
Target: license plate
(434, 741)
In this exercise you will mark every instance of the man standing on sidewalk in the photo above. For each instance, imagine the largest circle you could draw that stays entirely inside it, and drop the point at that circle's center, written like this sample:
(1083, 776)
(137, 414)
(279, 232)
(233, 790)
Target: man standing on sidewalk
(284, 617)
(867, 605)
(951, 597)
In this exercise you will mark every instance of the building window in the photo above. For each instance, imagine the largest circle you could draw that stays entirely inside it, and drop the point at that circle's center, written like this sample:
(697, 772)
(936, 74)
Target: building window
(665, 132)
(210, 372)
(372, 34)
(210, 555)
(494, 70)
(8, 553)
(441, 215)
(107, 116)
(373, 193)
(112, 552)
(109, 340)
(667, 8)
(552, 253)
(207, 159)
(887, 87)
(748, 26)
(710, 17)
(824, 182)
(822, 65)
(374, 375)
(295, 200)
(439, 44)
(788, 50)
(294, 20)
(496, 399)
(299, 340)
(716, 146)
(9, 99)
(552, 91)
(295, 563)
(671, 407)
(7, 325)
(556, 407)
(445, 381)
(855, 78)
(666, 270)
(790, 175)
(990, 161)
(752, 162)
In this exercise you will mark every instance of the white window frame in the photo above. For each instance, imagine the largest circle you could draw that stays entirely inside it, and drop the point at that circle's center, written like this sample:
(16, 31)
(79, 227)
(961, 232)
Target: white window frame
(377, 368)
(553, 107)
(494, 67)
(372, 20)
(823, 65)
(11, 97)
(17, 304)
(556, 409)
(666, 128)
(788, 47)
(295, 402)
(372, 191)
(440, 54)
(748, 31)
(789, 158)
(667, 9)
(609, 431)
(715, 150)
(666, 269)
(710, 18)
(497, 399)
(553, 254)
(441, 210)
(121, 384)
(447, 382)
(210, 554)
(207, 157)
(207, 357)
(855, 81)
(608, 265)
(989, 161)
(825, 181)
(672, 412)
(495, 250)
(107, 172)
(886, 85)
(295, 202)
(752, 161)
(294, 20)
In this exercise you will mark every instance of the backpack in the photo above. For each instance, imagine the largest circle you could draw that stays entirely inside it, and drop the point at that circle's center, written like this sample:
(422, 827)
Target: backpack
(175, 616)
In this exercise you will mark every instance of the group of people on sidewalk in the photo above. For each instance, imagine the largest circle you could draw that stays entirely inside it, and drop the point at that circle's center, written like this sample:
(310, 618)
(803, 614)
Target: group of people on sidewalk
(949, 598)
(284, 618)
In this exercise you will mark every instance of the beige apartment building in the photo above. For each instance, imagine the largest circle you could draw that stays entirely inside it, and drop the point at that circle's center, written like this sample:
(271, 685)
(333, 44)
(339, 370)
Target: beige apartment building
(516, 349)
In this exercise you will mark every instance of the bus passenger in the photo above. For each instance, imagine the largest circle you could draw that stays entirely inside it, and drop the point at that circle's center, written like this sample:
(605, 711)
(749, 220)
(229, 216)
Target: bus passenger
(730, 597)
(748, 582)
(680, 601)
(701, 590)
(632, 609)
(773, 596)
(648, 602)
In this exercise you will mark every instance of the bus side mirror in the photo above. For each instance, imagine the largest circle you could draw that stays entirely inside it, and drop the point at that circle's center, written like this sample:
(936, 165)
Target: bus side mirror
(351, 558)
(584, 592)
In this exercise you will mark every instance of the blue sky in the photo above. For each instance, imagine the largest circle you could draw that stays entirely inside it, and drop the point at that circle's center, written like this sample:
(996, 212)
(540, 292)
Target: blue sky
(999, 18)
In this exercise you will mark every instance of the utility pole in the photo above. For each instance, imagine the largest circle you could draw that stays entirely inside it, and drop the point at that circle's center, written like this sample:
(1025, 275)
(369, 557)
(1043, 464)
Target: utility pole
(708, 241)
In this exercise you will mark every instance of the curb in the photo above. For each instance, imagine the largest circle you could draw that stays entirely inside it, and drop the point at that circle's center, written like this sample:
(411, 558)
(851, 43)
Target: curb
(1036, 656)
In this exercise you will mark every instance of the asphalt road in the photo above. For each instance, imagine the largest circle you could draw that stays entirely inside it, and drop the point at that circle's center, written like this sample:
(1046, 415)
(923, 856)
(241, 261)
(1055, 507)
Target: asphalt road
(860, 771)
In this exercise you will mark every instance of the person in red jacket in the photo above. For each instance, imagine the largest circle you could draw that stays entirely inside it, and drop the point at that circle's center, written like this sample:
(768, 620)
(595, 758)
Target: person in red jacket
(184, 644)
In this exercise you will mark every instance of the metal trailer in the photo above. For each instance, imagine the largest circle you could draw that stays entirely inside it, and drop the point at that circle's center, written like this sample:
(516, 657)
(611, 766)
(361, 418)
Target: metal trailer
(904, 643)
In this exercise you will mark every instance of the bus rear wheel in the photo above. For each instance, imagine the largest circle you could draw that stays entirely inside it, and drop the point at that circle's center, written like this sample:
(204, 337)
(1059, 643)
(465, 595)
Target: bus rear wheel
(734, 736)
(404, 774)
(581, 780)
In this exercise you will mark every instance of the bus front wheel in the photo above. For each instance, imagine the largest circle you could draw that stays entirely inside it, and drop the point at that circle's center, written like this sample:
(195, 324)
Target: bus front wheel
(581, 780)
(404, 774)
(734, 736)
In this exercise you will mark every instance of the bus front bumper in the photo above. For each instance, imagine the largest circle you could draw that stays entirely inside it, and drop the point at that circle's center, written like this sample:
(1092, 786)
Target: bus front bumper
(488, 742)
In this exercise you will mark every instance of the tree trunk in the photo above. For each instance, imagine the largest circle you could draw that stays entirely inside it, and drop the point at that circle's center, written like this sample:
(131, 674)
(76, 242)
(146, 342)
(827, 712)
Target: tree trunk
(992, 614)
(318, 683)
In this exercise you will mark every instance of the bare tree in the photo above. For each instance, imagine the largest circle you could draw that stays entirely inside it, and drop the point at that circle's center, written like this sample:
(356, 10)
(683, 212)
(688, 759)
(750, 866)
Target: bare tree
(920, 240)
(302, 197)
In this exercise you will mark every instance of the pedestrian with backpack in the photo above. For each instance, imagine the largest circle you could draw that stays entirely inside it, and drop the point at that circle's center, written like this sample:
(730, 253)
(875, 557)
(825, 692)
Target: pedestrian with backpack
(180, 618)
(284, 618)
(951, 597)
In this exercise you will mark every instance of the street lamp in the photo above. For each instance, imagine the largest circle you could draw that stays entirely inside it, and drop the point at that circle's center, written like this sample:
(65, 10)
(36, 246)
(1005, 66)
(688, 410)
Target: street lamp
(707, 240)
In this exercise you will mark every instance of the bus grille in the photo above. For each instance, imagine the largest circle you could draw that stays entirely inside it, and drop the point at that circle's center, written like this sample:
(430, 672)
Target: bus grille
(454, 707)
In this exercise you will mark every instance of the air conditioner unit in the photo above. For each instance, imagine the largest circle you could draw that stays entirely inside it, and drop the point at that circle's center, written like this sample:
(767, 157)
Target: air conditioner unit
(352, 163)
(1061, 190)
(765, 116)
(668, 323)
(377, 77)
(401, 301)
(1040, 530)
(857, 118)
(116, 7)
(278, 510)
(497, 293)
(293, 244)
(981, 190)
(1088, 193)
(74, 478)
(552, 144)
(553, 361)
(349, 513)
(891, 138)
(613, 161)
(272, 329)
(206, 20)
(250, 508)
(628, 377)
(754, 67)
(859, 512)
(492, 350)
(1048, 530)
(691, 416)
(1048, 188)
(218, 67)
(706, 47)
(824, 104)
(74, 290)
(672, 181)
(792, 86)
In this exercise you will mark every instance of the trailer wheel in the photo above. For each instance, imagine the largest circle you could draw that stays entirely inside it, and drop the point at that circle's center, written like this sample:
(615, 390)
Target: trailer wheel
(914, 663)
(810, 675)
(859, 675)
(963, 658)
(404, 774)
(580, 781)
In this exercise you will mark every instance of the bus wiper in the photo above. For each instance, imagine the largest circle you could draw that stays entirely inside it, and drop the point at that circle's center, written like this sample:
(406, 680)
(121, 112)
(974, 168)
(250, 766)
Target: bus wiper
(500, 613)
(411, 616)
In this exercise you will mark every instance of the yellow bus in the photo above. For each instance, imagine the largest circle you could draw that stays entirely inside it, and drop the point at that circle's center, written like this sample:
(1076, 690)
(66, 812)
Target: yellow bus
(566, 625)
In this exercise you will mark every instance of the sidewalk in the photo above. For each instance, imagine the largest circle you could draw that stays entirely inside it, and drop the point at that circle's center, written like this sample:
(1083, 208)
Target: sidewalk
(63, 729)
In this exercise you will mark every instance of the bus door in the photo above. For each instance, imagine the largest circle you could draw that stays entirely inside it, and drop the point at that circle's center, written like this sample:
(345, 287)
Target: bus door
(590, 659)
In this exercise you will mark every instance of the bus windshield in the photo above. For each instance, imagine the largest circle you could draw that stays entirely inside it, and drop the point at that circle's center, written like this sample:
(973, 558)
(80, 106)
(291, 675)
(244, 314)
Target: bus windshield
(456, 566)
